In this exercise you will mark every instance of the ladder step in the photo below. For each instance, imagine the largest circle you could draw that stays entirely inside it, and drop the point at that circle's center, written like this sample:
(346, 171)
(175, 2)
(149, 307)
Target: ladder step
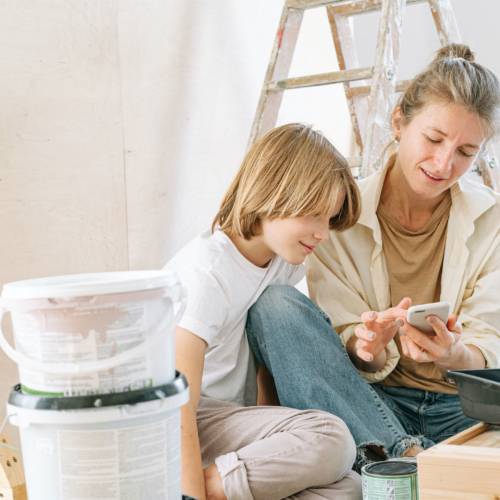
(365, 90)
(355, 161)
(345, 7)
(347, 75)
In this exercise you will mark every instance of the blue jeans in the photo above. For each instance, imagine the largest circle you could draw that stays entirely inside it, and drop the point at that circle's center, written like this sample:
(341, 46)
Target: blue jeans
(294, 339)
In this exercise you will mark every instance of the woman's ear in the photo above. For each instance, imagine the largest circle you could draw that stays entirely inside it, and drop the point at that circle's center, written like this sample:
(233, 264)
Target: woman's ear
(396, 123)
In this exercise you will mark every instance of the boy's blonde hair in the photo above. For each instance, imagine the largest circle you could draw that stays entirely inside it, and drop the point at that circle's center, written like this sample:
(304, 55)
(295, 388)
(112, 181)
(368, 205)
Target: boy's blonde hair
(291, 171)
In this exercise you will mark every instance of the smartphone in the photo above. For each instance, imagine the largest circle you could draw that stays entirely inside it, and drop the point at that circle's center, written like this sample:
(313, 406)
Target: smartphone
(417, 316)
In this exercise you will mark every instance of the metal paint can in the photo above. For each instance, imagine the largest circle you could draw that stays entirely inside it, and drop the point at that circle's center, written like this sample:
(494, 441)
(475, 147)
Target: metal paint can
(390, 480)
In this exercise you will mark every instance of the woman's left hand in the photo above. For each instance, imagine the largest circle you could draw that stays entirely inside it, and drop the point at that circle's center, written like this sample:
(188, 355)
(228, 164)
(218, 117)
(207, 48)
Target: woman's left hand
(441, 349)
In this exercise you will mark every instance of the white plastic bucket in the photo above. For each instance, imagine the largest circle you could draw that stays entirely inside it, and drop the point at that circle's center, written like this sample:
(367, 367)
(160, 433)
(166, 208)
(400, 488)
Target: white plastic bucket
(93, 333)
(123, 446)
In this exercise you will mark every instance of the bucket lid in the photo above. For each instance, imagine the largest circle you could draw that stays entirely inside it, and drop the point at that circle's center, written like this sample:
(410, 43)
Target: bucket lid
(80, 285)
(58, 403)
(25, 410)
(391, 468)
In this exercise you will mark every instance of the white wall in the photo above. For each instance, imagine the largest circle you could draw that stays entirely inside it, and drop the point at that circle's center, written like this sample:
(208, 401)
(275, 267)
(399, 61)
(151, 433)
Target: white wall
(123, 122)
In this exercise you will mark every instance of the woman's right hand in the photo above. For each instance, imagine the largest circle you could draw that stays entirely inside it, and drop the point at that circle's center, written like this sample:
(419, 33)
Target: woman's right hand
(378, 330)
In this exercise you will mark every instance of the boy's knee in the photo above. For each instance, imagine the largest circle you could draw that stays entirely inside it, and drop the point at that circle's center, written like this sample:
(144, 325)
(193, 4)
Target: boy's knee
(335, 449)
(275, 296)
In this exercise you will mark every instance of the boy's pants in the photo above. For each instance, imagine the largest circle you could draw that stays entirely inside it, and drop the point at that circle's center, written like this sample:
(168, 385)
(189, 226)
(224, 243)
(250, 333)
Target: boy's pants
(275, 453)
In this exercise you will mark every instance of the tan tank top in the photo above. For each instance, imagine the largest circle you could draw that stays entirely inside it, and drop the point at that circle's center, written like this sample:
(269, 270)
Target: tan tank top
(414, 262)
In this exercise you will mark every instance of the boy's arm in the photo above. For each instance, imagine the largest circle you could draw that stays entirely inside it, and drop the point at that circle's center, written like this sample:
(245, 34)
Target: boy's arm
(189, 359)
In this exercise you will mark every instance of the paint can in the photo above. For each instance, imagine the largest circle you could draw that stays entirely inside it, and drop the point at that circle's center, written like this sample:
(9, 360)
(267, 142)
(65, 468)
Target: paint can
(93, 333)
(123, 446)
(390, 480)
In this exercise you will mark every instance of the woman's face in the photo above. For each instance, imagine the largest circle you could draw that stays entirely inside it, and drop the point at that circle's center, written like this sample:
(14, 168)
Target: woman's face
(437, 147)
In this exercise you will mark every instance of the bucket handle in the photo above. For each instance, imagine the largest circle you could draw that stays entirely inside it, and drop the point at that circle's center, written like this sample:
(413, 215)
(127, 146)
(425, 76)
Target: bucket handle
(93, 366)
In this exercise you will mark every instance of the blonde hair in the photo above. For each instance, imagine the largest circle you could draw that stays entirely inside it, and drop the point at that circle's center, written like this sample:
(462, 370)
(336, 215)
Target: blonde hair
(454, 77)
(291, 171)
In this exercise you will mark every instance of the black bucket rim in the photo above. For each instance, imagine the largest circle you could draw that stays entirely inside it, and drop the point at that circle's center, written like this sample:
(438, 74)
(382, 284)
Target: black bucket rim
(40, 402)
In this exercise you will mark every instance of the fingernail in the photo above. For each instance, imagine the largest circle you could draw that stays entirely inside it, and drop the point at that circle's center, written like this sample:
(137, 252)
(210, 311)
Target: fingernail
(400, 322)
(370, 335)
(368, 357)
(432, 320)
(403, 334)
(371, 315)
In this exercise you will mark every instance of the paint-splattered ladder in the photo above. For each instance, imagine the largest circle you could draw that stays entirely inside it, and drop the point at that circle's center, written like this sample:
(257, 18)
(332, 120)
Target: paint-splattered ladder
(369, 115)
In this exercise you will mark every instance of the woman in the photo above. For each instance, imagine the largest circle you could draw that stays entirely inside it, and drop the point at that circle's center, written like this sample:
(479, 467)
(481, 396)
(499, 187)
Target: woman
(426, 234)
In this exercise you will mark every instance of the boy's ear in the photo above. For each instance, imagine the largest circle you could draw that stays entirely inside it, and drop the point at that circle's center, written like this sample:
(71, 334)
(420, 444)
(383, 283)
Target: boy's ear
(397, 122)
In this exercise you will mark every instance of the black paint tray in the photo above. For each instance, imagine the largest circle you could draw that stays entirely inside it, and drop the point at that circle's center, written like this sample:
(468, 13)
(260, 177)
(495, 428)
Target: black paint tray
(479, 392)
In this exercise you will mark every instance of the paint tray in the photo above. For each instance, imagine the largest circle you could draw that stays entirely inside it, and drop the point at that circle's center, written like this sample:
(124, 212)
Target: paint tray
(479, 392)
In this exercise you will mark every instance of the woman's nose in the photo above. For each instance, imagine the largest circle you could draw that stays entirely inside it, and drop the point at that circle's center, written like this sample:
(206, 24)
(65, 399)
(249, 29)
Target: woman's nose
(443, 159)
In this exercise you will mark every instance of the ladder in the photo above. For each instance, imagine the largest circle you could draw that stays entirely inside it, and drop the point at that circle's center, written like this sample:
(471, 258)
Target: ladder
(369, 106)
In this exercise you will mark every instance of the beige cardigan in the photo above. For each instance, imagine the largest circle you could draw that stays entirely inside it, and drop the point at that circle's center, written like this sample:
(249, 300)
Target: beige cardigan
(347, 275)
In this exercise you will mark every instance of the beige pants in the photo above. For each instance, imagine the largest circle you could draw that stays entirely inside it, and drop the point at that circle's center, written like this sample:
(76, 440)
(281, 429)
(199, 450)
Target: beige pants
(274, 453)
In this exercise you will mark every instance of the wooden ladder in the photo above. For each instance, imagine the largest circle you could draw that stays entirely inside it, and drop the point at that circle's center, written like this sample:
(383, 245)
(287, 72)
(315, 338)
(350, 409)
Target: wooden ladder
(369, 115)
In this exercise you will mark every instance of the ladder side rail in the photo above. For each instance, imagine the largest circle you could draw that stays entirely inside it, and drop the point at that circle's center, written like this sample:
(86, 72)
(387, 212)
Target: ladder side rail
(266, 115)
(383, 85)
(343, 39)
(447, 28)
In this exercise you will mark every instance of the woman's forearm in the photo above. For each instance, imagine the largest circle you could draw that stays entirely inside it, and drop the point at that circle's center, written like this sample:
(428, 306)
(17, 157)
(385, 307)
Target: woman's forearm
(467, 357)
(366, 366)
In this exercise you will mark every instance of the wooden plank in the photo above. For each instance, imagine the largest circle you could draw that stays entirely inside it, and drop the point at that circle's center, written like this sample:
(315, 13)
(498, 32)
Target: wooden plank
(322, 79)
(488, 439)
(463, 469)
(401, 86)
(343, 39)
(468, 434)
(279, 66)
(383, 85)
(344, 7)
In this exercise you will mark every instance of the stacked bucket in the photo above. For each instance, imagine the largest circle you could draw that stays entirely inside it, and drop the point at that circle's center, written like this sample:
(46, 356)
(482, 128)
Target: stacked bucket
(98, 406)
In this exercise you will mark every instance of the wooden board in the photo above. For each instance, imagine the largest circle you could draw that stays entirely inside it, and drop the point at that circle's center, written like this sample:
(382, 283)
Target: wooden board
(464, 467)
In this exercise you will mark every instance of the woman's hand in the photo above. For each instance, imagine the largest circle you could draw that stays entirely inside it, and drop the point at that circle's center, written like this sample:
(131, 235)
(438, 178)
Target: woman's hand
(441, 349)
(446, 350)
(379, 329)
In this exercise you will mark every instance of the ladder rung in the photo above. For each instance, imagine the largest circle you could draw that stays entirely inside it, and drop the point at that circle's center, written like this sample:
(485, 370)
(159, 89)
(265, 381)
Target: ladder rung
(355, 161)
(347, 75)
(365, 89)
(344, 7)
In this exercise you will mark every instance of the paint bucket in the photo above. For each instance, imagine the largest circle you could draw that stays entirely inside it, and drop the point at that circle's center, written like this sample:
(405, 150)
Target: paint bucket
(123, 446)
(93, 333)
(390, 480)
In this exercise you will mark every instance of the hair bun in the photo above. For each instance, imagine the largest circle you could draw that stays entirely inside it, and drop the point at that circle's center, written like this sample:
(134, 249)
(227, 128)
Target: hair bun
(453, 51)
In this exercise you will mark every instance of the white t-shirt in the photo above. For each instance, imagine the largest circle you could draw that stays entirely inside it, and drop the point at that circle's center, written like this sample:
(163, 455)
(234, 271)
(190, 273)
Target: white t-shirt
(221, 287)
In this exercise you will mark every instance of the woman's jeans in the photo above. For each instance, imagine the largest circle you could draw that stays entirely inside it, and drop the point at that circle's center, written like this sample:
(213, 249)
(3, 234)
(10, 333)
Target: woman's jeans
(294, 338)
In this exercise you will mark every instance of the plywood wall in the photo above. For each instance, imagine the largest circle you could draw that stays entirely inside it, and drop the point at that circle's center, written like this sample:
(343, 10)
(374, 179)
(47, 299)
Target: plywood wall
(123, 122)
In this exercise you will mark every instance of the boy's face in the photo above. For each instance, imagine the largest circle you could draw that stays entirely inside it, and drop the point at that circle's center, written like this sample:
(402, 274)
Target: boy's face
(294, 238)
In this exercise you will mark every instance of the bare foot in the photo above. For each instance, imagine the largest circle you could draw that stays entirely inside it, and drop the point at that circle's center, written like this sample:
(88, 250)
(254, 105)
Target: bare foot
(413, 451)
(214, 490)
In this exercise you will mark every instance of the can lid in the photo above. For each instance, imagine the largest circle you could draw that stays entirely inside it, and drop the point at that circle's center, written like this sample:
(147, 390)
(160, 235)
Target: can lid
(58, 403)
(80, 285)
(391, 468)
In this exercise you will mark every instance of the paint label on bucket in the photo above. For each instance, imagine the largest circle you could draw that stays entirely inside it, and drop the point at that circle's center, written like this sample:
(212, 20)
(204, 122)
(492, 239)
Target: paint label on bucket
(121, 464)
(80, 334)
(394, 488)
